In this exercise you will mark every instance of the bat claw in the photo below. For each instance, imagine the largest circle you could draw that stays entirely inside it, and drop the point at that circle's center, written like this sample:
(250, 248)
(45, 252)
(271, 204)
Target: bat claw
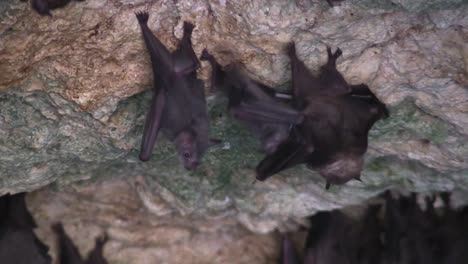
(142, 17)
(291, 49)
(205, 55)
(188, 27)
(102, 239)
(329, 52)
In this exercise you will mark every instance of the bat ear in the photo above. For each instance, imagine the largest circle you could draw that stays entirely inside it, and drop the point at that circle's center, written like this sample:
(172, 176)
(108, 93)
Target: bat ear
(327, 185)
(215, 141)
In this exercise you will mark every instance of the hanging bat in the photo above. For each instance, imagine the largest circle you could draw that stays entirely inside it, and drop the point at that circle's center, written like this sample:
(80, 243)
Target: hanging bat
(288, 252)
(43, 7)
(253, 103)
(18, 242)
(331, 239)
(178, 106)
(69, 254)
(337, 118)
(331, 3)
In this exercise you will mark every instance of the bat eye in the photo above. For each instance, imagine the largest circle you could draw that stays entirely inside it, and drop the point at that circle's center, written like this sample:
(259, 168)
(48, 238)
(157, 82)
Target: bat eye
(187, 155)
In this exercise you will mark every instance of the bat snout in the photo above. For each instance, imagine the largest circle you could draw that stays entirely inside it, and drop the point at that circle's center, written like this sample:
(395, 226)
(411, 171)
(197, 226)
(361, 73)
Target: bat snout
(191, 165)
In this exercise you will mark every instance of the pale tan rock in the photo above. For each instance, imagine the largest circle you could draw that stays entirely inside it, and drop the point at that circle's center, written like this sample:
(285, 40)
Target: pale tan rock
(137, 235)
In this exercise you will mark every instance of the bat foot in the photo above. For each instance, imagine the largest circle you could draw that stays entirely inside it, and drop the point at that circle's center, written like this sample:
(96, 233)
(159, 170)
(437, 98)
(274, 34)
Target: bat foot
(142, 17)
(205, 55)
(215, 142)
(144, 157)
(102, 239)
(332, 57)
(58, 228)
(188, 28)
(291, 49)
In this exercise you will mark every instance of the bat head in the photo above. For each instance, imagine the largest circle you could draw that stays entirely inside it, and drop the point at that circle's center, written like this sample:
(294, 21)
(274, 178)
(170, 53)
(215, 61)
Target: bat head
(342, 169)
(187, 149)
(41, 7)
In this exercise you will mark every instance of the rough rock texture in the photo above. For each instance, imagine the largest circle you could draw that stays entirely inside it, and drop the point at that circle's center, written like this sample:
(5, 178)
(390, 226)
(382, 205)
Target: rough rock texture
(137, 236)
(72, 104)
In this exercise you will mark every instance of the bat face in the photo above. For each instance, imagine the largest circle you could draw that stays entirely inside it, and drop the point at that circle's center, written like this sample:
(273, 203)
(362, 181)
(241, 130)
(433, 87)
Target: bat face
(187, 150)
(43, 7)
(342, 169)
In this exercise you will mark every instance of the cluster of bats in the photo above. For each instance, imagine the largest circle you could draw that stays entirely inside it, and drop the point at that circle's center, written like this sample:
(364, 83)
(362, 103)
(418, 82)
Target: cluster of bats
(323, 123)
(43, 7)
(396, 231)
(20, 245)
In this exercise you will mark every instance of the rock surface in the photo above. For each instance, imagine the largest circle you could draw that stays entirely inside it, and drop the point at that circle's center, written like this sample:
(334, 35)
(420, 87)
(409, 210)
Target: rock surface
(136, 235)
(72, 100)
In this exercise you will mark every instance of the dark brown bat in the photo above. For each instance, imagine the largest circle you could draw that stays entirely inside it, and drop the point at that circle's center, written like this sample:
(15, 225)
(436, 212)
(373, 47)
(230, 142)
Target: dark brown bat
(69, 254)
(405, 235)
(330, 239)
(253, 104)
(288, 252)
(43, 7)
(337, 118)
(331, 3)
(18, 243)
(178, 106)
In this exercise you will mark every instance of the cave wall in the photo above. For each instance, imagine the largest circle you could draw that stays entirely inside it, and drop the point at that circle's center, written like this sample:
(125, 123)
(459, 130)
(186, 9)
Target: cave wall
(74, 90)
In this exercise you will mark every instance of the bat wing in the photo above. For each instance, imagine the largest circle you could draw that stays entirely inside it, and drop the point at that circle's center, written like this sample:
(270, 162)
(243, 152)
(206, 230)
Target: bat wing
(331, 81)
(161, 58)
(67, 250)
(302, 79)
(289, 254)
(152, 126)
(267, 112)
(288, 154)
(185, 60)
(16, 211)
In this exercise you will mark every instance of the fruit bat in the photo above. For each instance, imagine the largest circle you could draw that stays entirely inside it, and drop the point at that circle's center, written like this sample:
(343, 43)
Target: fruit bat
(253, 103)
(331, 3)
(337, 118)
(43, 7)
(405, 234)
(288, 252)
(18, 243)
(69, 254)
(178, 106)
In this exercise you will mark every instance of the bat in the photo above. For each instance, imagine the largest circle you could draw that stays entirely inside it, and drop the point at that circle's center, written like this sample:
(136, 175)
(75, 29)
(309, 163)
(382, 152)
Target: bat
(337, 118)
(178, 107)
(288, 252)
(253, 103)
(18, 242)
(331, 3)
(43, 7)
(331, 239)
(69, 254)
(402, 235)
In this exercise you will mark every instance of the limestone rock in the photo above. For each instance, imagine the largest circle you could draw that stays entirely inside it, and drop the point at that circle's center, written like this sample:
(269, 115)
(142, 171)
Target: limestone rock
(72, 105)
